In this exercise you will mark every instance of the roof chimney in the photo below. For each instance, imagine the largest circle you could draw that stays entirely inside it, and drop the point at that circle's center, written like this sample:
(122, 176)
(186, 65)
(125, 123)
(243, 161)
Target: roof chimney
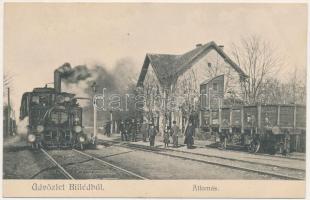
(198, 45)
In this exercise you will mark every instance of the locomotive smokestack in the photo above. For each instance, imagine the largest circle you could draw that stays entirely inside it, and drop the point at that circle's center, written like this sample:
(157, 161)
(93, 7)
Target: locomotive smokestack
(58, 73)
(57, 81)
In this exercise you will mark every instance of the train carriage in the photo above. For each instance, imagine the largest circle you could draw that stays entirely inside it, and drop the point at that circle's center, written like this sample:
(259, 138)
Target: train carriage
(267, 128)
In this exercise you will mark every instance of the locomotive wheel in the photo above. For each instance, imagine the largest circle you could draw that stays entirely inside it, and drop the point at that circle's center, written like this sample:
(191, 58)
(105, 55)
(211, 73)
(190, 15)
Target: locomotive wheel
(254, 146)
(35, 146)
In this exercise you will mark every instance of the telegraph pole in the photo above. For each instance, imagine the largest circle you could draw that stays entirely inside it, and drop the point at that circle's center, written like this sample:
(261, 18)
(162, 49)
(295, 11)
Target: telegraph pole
(111, 120)
(210, 90)
(95, 121)
(95, 111)
(9, 114)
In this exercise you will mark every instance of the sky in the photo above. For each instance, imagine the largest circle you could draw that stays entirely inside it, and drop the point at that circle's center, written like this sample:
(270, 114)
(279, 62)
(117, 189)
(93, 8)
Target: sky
(39, 37)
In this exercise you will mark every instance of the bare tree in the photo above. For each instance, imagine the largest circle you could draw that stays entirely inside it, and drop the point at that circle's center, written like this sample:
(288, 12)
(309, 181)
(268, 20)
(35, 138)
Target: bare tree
(259, 60)
(294, 91)
(152, 94)
(188, 89)
(297, 87)
(274, 91)
(271, 91)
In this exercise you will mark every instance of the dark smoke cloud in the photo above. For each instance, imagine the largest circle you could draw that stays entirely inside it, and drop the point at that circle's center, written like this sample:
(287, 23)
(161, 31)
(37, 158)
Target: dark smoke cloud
(123, 75)
(74, 75)
(103, 79)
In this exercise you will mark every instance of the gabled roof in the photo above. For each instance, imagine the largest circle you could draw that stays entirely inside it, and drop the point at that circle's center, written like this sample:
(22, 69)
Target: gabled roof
(162, 63)
(211, 79)
(168, 67)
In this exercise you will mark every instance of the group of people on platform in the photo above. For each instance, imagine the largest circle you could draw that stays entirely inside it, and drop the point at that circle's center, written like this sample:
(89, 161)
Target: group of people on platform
(129, 130)
(174, 132)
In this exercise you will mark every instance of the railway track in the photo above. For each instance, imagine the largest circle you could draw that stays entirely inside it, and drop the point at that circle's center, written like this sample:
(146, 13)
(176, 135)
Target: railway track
(109, 164)
(215, 156)
(61, 169)
(243, 152)
(249, 166)
(102, 162)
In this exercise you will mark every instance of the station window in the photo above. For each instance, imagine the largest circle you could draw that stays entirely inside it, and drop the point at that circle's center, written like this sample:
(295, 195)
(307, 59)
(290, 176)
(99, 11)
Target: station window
(214, 86)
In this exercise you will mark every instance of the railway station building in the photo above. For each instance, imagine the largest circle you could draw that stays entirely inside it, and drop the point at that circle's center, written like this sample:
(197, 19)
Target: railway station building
(186, 84)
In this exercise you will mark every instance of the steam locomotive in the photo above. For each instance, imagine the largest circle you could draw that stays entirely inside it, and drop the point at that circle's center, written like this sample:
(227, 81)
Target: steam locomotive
(55, 117)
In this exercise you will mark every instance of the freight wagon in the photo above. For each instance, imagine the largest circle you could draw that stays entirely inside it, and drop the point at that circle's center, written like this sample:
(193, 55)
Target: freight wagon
(266, 128)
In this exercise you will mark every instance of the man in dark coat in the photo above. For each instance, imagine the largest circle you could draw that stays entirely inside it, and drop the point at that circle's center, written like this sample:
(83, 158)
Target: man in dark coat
(144, 130)
(175, 134)
(122, 129)
(133, 130)
(223, 139)
(189, 132)
(152, 133)
(108, 128)
(286, 143)
(127, 129)
(138, 129)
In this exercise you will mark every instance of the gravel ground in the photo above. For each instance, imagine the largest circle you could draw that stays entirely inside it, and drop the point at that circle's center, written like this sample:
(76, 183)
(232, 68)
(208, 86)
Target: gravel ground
(272, 167)
(82, 167)
(20, 162)
(155, 166)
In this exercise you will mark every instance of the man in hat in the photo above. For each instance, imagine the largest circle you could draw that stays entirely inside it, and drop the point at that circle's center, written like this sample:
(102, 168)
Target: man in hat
(175, 134)
(144, 130)
(123, 131)
(127, 129)
(152, 133)
(108, 128)
(189, 132)
(138, 129)
(133, 129)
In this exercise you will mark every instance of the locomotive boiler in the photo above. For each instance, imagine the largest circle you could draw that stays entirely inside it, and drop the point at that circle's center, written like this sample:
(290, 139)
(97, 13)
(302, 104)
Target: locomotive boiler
(55, 117)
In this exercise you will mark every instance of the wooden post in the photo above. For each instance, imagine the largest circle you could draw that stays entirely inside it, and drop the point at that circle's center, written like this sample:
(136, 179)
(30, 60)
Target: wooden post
(209, 98)
(115, 127)
(95, 121)
(220, 116)
(230, 120)
(278, 120)
(200, 118)
(294, 126)
(9, 114)
(242, 119)
(111, 121)
(181, 120)
(210, 111)
(259, 115)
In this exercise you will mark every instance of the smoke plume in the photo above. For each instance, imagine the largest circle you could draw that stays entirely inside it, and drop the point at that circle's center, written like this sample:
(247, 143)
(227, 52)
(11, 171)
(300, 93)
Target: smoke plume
(87, 81)
(73, 75)
(22, 126)
(84, 81)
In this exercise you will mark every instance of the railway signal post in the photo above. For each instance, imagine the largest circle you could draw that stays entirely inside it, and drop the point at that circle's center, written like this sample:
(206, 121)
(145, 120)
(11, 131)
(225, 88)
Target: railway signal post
(95, 112)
